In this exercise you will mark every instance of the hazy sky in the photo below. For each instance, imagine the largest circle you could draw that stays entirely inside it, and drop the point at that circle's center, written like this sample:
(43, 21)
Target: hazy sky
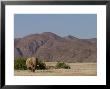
(78, 25)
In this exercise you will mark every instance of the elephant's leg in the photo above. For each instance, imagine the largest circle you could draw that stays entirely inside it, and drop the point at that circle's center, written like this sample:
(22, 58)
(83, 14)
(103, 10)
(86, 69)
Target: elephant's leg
(29, 68)
(33, 68)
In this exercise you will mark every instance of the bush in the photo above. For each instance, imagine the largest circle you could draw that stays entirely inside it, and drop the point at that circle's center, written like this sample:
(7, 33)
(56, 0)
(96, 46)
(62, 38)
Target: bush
(20, 64)
(62, 65)
(41, 65)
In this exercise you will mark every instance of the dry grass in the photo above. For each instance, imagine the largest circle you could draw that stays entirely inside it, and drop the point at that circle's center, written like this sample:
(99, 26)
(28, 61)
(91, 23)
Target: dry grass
(77, 69)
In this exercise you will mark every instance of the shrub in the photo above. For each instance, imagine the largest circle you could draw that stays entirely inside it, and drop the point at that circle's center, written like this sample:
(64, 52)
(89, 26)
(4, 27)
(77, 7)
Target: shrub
(62, 65)
(20, 64)
(41, 65)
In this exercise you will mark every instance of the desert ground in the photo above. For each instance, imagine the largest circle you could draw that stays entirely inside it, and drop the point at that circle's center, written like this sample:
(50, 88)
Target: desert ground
(77, 69)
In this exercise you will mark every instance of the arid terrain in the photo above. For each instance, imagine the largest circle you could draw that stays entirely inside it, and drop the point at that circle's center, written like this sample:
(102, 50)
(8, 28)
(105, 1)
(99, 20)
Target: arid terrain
(51, 47)
(77, 69)
(79, 54)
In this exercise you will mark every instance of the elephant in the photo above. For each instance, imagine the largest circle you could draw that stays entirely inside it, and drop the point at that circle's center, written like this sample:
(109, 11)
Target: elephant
(31, 63)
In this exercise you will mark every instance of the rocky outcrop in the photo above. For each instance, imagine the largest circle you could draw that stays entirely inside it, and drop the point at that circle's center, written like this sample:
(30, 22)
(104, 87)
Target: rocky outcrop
(51, 47)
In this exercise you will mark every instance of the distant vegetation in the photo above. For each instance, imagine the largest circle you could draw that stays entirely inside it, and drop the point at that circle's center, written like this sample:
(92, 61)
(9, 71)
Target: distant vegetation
(41, 65)
(62, 65)
(20, 64)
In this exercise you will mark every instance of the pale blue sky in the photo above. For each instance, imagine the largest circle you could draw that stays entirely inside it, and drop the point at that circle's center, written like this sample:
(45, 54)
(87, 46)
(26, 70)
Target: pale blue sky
(78, 25)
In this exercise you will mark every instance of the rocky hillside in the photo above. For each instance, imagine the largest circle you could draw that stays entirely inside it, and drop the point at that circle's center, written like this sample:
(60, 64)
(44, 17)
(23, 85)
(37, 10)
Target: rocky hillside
(51, 47)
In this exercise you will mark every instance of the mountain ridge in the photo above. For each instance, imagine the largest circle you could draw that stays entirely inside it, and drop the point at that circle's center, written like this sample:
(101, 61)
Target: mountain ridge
(49, 46)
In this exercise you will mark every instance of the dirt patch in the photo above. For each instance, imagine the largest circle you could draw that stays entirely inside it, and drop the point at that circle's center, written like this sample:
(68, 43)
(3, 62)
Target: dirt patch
(77, 69)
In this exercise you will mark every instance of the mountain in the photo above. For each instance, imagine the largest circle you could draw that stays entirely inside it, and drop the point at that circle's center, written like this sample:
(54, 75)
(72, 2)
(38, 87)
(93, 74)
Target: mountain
(48, 46)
